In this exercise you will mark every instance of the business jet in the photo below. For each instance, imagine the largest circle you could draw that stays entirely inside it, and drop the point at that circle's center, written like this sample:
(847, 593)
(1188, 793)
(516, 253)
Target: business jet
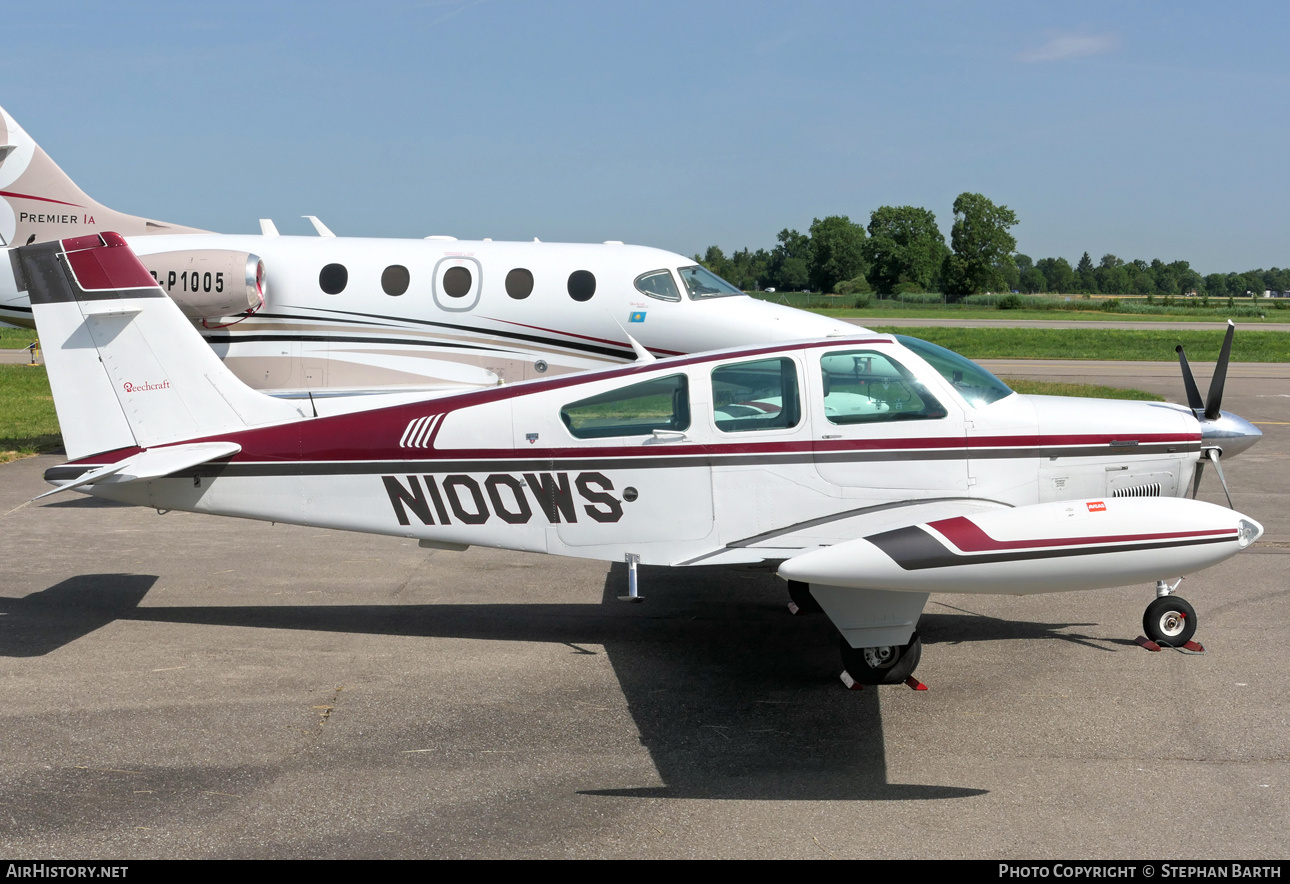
(868, 471)
(333, 315)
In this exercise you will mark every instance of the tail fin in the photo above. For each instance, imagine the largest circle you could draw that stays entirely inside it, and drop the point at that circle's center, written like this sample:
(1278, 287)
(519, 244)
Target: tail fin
(39, 203)
(125, 366)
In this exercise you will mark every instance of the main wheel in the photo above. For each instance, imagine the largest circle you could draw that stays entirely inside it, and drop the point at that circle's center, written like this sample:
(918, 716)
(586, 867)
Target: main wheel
(800, 593)
(1169, 621)
(891, 664)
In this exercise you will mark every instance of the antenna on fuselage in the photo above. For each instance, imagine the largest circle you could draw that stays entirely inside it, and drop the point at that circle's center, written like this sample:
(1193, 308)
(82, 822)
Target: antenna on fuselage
(642, 355)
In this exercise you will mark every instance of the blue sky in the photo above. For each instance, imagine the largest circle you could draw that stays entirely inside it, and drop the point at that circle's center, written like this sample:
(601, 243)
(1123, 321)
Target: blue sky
(1147, 129)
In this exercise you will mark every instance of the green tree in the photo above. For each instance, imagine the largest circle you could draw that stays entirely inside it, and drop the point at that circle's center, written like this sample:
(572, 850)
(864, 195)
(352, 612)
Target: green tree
(904, 245)
(982, 246)
(1058, 273)
(1084, 274)
(837, 252)
(795, 247)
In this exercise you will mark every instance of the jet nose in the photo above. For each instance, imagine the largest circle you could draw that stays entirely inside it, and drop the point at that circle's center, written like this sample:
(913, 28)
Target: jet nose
(1229, 433)
(786, 323)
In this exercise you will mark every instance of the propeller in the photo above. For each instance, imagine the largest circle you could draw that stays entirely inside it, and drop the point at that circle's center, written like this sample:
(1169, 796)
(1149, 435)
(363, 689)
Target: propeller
(1219, 430)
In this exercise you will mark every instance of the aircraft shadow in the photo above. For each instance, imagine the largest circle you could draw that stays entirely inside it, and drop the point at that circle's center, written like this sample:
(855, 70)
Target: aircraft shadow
(733, 697)
(45, 621)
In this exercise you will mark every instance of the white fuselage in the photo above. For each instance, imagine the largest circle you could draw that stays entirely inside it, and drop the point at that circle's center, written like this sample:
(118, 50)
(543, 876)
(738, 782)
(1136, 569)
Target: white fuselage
(503, 468)
(432, 335)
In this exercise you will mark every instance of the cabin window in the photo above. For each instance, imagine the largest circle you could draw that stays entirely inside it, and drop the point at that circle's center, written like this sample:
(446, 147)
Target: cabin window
(973, 383)
(638, 410)
(519, 283)
(761, 395)
(658, 284)
(456, 282)
(865, 386)
(395, 279)
(333, 278)
(703, 283)
(582, 285)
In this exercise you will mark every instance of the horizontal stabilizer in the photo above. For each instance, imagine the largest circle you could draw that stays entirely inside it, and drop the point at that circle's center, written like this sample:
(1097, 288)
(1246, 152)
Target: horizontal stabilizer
(154, 464)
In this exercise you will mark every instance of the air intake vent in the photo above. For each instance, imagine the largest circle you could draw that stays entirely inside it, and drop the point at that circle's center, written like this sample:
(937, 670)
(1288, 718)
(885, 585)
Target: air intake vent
(1151, 489)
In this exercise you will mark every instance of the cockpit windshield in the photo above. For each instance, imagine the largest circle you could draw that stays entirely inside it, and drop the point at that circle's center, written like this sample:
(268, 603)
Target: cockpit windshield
(703, 283)
(972, 382)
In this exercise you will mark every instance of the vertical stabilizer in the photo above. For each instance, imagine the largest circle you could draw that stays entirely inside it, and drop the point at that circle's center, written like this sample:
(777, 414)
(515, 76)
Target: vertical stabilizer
(39, 203)
(126, 368)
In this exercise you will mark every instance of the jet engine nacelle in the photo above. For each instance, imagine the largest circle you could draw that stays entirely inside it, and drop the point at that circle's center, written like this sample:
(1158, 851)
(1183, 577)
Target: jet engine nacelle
(209, 283)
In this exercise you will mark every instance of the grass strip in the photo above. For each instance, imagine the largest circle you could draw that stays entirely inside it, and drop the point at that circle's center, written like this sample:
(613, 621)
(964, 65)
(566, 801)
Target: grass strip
(1087, 391)
(28, 424)
(1098, 343)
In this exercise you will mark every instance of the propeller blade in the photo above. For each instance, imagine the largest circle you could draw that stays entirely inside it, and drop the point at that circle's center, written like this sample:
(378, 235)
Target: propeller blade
(1195, 482)
(1213, 455)
(1194, 402)
(1215, 400)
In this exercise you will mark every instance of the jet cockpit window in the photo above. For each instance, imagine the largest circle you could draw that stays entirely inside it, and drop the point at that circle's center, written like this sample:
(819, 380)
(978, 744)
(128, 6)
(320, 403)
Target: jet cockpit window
(760, 395)
(638, 410)
(703, 283)
(865, 386)
(658, 284)
(972, 382)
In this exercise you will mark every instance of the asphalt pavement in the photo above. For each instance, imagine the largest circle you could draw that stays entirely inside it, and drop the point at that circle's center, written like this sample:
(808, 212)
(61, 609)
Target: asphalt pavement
(188, 686)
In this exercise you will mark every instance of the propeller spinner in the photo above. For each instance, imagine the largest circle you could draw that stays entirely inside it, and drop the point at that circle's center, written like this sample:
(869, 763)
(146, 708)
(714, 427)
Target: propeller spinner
(1221, 432)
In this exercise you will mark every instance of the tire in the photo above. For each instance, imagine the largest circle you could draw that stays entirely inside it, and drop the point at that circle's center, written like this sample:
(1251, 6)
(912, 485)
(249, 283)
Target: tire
(887, 665)
(800, 593)
(1169, 621)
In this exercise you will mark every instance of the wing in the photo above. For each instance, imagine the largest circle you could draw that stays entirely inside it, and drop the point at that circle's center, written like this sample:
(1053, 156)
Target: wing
(1047, 547)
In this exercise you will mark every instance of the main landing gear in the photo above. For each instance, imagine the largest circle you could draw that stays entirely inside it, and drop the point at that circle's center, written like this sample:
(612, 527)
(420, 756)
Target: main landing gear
(1170, 621)
(889, 664)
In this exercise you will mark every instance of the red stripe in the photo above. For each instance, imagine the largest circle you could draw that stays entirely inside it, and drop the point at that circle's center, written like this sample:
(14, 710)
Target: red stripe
(556, 331)
(99, 267)
(40, 199)
(969, 538)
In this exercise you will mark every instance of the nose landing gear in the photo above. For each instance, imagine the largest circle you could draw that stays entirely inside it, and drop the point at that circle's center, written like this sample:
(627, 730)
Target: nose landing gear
(1169, 621)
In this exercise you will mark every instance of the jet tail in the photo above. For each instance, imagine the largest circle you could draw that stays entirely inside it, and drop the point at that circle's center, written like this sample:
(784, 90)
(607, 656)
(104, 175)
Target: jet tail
(127, 369)
(39, 203)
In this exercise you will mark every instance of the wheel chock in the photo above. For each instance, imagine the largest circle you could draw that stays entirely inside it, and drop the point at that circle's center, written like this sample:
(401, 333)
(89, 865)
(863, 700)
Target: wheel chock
(915, 684)
(794, 609)
(1147, 643)
(851, 683)
(1194, 646)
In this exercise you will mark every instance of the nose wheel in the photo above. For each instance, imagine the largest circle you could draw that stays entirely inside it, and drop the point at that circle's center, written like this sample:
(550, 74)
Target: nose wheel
(1169, 621)
(890, 664)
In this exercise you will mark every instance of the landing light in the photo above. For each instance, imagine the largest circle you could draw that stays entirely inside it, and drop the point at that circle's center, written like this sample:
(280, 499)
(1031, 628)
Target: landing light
(1248, 532)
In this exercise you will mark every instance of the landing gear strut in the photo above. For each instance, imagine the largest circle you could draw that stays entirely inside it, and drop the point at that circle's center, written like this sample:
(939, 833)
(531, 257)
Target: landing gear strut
(890, 664)
(801, 600)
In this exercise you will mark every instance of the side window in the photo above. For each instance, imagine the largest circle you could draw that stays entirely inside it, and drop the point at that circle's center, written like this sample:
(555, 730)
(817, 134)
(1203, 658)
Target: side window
(395, 279)
(519, 283)
(582, 285)
(638, 410)
(760, 395)
(865, 386)
(333, 278)
(658, 284)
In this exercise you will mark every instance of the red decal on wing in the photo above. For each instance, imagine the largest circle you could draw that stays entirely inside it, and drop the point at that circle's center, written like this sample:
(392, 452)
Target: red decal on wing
(968, 536)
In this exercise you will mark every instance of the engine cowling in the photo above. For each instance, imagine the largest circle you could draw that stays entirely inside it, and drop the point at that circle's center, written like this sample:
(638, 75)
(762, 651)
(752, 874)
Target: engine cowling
(209, 283)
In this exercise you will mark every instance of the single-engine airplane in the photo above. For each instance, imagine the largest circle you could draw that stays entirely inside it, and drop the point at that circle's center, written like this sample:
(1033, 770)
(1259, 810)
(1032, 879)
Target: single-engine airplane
(868, 471)
(327, 315)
